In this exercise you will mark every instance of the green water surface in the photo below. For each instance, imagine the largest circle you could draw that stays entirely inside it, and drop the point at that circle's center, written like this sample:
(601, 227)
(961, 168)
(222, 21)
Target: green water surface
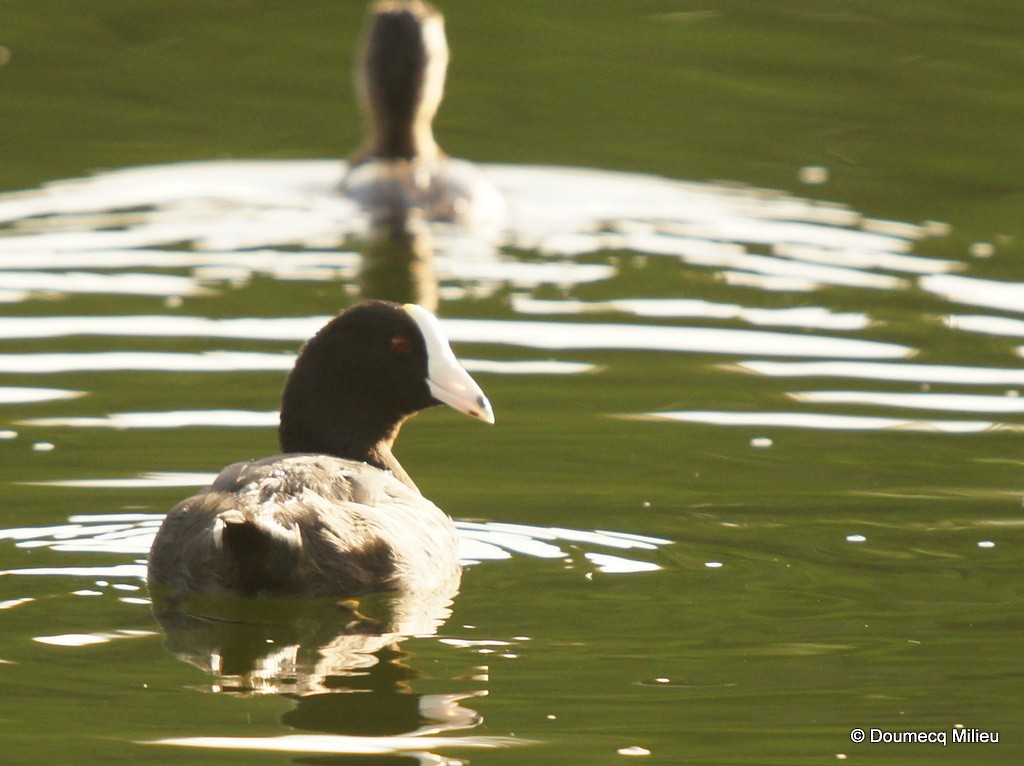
(800, 636)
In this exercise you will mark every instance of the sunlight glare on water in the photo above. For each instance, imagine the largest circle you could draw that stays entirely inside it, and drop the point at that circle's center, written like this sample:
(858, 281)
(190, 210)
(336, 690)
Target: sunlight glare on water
(225, 228)
(829, 421)
(132, 533)
(21, 395)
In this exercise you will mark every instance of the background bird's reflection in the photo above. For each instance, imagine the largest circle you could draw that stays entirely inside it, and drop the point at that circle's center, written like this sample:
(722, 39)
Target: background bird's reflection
(398, 259)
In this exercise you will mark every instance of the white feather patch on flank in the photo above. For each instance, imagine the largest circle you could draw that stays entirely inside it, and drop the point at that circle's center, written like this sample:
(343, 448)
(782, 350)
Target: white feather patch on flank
(218, 534)
(266, 523)
(290, 536)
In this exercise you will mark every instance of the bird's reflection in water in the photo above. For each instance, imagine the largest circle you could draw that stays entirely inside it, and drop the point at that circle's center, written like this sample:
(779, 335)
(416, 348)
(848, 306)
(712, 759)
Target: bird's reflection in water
(398, 260)
(340, 662)
(390, 707)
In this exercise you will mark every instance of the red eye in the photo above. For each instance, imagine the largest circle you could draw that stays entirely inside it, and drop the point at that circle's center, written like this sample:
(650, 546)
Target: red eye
(400, 344)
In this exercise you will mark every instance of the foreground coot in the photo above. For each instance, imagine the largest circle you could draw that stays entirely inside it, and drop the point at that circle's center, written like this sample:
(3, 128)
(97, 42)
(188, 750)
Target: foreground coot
(336, 515)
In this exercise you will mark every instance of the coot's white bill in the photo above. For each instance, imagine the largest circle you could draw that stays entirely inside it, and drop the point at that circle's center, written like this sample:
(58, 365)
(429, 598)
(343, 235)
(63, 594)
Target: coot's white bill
(447, 380)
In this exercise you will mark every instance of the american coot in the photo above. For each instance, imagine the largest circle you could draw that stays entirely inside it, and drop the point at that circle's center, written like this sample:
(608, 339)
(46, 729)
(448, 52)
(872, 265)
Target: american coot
(400, 168)
(337, 515)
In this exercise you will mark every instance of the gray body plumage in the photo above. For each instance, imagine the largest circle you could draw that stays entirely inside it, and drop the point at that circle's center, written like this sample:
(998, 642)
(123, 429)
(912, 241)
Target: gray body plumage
(303, 523)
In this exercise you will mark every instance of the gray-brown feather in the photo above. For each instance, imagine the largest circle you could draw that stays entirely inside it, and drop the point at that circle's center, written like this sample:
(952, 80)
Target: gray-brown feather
(304, 525)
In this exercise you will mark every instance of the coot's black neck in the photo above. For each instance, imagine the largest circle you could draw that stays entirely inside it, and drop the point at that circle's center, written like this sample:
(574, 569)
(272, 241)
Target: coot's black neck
(355, 441)
(341, 399)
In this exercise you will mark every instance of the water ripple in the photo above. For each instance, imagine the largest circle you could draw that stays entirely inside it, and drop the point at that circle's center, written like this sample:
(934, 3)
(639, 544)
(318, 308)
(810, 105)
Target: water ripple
(22, 395)
(817, 420)
(132, 534)
(916, 400)
(344, 744)
(256, 206)
(914, 373)
(545, 335)
(809, 317)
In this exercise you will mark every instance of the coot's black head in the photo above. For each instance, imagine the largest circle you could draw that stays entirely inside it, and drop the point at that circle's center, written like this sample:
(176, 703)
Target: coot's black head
(365, 372)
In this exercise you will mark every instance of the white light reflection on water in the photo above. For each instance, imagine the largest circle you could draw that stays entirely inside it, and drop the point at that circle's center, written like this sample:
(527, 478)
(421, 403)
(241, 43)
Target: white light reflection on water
(256, 183)
(15, 602)
(144, 481)
(230, 361)
(915, 400)
(769, 283)
(255, 205)
(171, 419)
(564, 274)
(272, 262)
(557, 335)
(132, 534)
(810, 317)
(815, 420)
(987, 325)
(912, 373)
(870, 259)
(546, 335)
(21, 395)
(91, 639)
(546, 202)
(527, 366)
(351, 745)
(295, 329)
(285, 219)
(107, 361)
(618, 564)
(133, 571)
(695, 253)
(82, 283)
(1004, 296)
(239, 267)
